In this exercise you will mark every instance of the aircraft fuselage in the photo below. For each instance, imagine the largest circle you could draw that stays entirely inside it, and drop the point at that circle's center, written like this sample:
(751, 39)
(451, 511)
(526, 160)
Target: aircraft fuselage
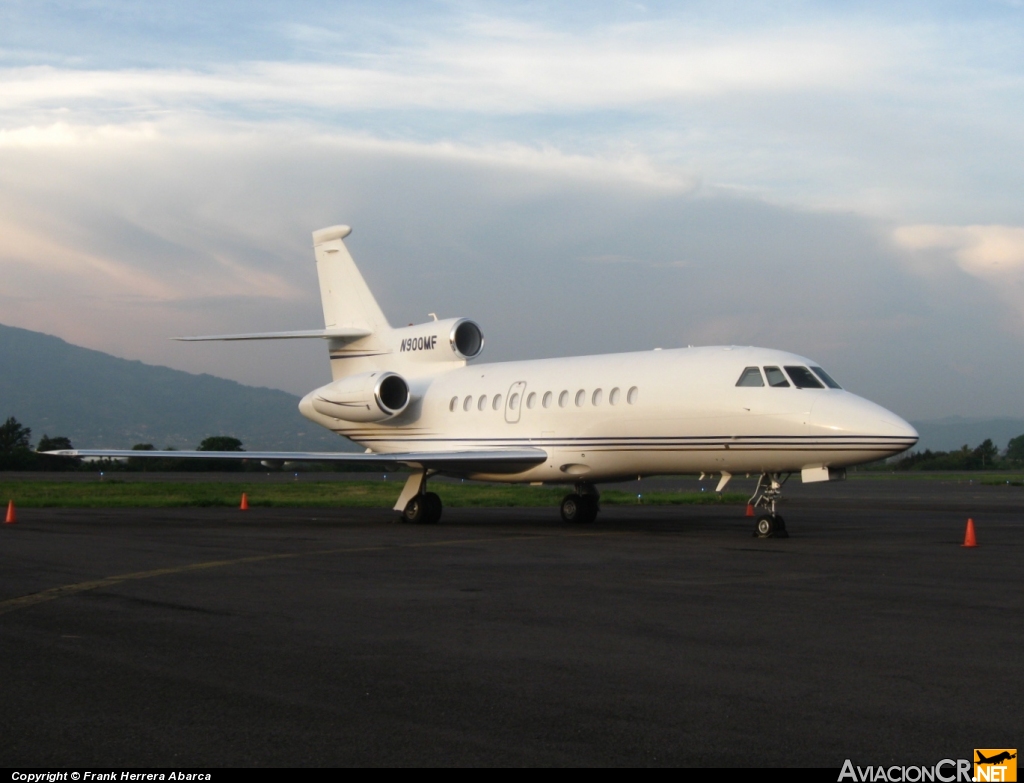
(616, 416)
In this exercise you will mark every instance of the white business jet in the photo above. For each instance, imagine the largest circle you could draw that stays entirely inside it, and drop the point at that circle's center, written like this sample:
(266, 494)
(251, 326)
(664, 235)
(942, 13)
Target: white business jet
(412, 397)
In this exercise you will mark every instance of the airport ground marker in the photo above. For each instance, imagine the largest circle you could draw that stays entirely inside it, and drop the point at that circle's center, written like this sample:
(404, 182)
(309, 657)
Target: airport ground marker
(969, 539)
(244, 506)
(750, 510)
(12, 516)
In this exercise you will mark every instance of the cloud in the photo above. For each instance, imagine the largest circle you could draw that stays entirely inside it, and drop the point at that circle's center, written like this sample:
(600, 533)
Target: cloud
(990, 252)
(576, 186)
(495, 68)
(626, 166)
(814, 108)
(993, 254)
(119, 242)
(619, 259)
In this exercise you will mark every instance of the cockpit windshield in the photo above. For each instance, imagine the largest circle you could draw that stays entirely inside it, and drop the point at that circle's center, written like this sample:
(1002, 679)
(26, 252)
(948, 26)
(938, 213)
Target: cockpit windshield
(826, 377)
(775, 377)
(751, 377)
(803, 378)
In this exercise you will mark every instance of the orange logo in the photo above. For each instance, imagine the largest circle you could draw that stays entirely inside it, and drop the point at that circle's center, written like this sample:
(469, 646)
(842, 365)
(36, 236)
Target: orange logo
(995, 764)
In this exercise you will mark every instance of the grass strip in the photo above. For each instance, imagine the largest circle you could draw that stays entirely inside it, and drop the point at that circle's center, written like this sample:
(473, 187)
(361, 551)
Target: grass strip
(111, 493)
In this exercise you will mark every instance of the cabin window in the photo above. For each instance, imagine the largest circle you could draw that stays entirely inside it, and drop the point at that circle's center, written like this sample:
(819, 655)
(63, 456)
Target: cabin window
(497, 402)
(829, 381)
(467, 404)
(547, 399)
(775, 377)
(581, 397)
(613, 397)
(563, 399)
(596, 399)
(803, 378)
(513, 401)
(632, 395)
(453, 404)
(531, 400)
(482, 402)
(751, 377)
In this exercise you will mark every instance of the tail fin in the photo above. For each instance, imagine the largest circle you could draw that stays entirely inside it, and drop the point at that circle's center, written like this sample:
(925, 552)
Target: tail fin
(346, 298)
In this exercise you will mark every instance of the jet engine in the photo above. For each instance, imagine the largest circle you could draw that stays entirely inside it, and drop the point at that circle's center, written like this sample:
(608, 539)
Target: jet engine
(369, 396)
(454, 339)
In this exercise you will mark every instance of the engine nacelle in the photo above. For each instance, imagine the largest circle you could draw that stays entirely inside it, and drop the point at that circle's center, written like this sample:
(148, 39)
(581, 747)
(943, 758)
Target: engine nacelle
(454, 339)
(369, 396)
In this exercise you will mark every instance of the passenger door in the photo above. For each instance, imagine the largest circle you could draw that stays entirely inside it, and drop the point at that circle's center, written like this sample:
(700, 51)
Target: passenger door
(514, 401)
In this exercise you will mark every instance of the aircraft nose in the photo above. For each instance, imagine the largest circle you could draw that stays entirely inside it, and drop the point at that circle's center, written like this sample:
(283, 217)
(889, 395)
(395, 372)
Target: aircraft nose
(899, 427)
(848, 414)
(900, 434)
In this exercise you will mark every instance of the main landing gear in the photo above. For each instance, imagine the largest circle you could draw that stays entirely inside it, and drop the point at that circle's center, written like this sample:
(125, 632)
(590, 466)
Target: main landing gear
(581, 506)
(769, 524)
(416, 505)
(423, 509)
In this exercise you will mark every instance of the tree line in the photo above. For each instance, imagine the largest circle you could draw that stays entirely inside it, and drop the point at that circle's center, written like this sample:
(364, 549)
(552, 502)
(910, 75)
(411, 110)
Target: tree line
(985, 456)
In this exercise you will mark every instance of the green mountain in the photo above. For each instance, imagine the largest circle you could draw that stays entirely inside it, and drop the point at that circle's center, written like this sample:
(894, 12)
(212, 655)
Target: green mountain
(100, 401)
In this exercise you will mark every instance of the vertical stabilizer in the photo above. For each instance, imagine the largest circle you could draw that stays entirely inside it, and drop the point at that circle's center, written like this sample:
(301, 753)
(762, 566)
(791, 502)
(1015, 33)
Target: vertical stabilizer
(346, 298)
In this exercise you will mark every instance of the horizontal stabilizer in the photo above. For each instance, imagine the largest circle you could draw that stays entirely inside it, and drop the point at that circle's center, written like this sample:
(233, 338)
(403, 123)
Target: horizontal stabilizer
(350, 333)
(492, 460)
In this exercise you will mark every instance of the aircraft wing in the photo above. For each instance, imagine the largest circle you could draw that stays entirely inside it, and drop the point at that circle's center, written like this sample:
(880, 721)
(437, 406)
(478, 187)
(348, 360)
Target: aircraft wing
(490, 461)
(338, 332)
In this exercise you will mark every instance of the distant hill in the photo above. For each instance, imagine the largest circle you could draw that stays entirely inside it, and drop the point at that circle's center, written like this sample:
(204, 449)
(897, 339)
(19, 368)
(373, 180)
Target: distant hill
(100, 401)
(951, 433)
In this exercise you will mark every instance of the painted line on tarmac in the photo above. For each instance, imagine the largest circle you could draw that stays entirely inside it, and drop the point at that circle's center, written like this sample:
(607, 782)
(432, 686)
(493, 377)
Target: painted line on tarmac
(53, 593)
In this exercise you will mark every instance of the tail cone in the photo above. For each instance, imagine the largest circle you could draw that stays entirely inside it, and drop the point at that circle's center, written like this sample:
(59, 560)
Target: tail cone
(245, 503)
(969, 539)
(12, 517)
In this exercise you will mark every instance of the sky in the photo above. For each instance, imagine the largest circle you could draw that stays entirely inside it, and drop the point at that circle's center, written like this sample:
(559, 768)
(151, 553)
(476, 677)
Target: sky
(842, 180)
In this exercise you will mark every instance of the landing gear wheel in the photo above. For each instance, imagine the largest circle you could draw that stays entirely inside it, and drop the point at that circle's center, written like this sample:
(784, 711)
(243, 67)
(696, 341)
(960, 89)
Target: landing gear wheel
(770, 526)
(434, 508)
(588, 509)
(423, 509)
(571, 508)
(579, 509)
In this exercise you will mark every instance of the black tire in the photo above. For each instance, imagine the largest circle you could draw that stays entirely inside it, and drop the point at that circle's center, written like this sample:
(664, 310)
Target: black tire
(434, 508)
(417, 510)
(571, 507)
(765, 526)
(579, 509)
(780, 527)
(588, 509)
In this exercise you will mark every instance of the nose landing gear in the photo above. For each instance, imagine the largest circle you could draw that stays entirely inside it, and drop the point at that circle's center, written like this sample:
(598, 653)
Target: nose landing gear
(765, 497)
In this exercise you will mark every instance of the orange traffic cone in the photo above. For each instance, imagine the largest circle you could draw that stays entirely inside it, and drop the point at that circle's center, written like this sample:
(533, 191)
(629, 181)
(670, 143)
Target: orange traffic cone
(969, 539)
(245, 503)
(11, 516)
(750, 510)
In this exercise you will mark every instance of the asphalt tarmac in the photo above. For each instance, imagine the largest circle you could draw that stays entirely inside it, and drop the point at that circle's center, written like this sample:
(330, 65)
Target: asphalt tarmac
(656, 636)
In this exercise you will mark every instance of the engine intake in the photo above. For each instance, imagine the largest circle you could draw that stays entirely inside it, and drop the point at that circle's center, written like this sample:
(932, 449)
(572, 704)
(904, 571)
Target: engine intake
(466, 338)
(369, 396)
